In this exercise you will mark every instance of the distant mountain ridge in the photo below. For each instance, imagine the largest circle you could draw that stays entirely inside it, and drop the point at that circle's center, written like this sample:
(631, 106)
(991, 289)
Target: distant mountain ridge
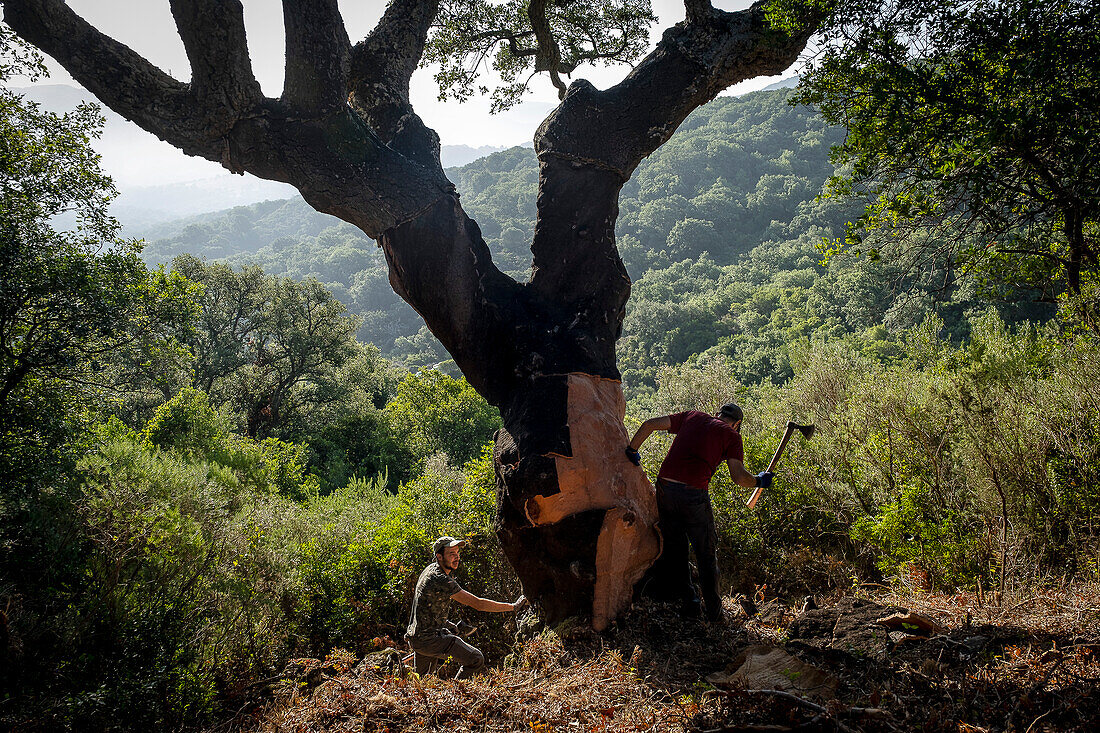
(454, 156)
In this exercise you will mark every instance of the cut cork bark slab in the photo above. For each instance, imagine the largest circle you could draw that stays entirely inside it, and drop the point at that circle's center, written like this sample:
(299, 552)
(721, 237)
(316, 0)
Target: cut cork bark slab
(598, 475)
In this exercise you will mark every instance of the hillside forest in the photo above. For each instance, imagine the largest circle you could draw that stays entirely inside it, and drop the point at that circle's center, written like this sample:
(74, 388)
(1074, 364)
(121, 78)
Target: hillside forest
(230, 444)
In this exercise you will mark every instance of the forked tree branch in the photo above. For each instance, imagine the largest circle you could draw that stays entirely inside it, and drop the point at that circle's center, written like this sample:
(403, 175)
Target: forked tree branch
(381, 67)
(548, 57)
(694, 61)
(125, 81)
(607, 133)
(317, 52)
(338, 163)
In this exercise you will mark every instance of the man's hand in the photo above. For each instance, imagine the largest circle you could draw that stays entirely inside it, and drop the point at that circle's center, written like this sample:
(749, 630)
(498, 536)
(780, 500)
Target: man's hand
(764, 479)
(634, 456)
(520, 604)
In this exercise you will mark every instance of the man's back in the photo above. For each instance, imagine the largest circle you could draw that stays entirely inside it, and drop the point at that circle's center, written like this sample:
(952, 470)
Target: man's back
(702, 442)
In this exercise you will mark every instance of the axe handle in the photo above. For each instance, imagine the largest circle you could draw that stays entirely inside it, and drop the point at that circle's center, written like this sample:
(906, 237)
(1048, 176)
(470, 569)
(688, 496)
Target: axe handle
(751, 503)
(782, 444)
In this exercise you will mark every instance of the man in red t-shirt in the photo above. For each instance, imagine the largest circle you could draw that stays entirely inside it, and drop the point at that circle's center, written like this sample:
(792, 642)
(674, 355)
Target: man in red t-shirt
(702, 442)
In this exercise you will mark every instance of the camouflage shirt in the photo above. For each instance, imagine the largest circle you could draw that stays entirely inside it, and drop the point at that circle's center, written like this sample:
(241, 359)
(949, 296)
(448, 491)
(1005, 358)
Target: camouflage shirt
(434, 589)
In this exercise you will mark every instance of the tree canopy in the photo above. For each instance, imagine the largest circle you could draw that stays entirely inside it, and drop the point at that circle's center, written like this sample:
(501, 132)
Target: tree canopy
(978, 116)
(525, 38)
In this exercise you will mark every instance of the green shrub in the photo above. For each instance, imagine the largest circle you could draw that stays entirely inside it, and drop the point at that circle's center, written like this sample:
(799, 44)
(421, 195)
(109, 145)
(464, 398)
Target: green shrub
(914, 533)
(433, 413)
(182, 595)
(190, 426)
(341, 575)
(963, 461)
(358, 571)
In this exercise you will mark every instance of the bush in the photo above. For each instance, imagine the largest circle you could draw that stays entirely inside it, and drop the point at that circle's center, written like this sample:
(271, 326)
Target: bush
(343, 578)
(913, 534)
(964, 462)
(188, 425)
(433, 413)
(178, 585)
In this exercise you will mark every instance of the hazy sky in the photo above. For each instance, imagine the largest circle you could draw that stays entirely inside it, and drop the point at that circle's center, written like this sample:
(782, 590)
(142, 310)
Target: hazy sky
(147, 27)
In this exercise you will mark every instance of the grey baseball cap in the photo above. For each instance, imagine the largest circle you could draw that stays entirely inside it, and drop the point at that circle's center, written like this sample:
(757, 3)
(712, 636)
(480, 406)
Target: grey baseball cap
(444, 542)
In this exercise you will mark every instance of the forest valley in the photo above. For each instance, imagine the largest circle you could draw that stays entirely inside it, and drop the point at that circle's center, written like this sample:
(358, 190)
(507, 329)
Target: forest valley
(225, 452)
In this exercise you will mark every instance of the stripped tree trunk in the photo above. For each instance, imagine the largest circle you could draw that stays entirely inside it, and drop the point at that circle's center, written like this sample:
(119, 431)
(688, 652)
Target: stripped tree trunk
(576, 519)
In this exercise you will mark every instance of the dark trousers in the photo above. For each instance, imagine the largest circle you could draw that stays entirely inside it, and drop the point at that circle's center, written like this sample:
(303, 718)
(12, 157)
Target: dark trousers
(431, 651)
(686, 516)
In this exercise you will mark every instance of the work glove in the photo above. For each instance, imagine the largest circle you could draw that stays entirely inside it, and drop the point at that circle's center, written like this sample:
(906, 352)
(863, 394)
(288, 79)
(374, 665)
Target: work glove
(764, 479)
(634, 456)
(520, 604)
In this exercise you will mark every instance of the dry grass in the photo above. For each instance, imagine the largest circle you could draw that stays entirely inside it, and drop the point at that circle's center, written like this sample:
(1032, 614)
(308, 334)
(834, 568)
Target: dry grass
(598, 694)
(1065, 609)
(1038, 670)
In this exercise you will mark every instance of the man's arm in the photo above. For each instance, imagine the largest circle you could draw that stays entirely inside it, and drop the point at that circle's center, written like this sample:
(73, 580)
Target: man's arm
(484, 604)
(654, 423)
(739, 474)
(647, 428)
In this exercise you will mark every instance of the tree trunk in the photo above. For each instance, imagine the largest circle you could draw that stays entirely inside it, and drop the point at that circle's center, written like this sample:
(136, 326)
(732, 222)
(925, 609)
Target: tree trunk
(575, 517)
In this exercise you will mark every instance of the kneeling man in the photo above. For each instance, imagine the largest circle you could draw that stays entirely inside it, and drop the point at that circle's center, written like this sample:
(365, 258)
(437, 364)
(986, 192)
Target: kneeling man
(432, 637)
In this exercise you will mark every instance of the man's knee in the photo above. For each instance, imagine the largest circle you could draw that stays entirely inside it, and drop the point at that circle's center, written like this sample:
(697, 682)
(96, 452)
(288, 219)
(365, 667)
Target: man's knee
(474, 664)
(470, 657)
(425, 664)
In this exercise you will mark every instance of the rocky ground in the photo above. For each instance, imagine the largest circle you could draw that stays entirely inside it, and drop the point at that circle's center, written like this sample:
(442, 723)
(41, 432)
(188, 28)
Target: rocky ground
(875, 661)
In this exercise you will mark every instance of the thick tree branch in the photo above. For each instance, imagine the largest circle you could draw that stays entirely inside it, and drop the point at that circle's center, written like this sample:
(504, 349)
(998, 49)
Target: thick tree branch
(392, 51)
(125, 81)
(221, 71)
(589, 146)
(337, 162)
(694, 61)
(548, 57)
(697, 9)
(439, 263)
(381, 67)
(317, 52)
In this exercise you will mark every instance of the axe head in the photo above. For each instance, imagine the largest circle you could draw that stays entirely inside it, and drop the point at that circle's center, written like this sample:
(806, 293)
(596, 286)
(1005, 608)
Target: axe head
(806, 430)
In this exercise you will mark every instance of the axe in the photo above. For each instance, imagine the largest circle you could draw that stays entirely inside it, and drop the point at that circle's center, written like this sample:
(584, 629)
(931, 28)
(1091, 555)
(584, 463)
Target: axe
(807, 432)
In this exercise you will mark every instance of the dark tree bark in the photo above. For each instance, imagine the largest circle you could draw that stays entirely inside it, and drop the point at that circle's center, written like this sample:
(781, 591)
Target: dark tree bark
(576, 519)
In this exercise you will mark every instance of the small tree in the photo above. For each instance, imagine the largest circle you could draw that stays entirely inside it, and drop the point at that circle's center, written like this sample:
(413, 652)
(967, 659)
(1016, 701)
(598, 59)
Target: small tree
(267, 345)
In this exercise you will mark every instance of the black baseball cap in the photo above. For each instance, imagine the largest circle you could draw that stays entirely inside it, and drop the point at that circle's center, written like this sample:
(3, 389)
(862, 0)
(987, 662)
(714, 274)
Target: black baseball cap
(732, 411)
